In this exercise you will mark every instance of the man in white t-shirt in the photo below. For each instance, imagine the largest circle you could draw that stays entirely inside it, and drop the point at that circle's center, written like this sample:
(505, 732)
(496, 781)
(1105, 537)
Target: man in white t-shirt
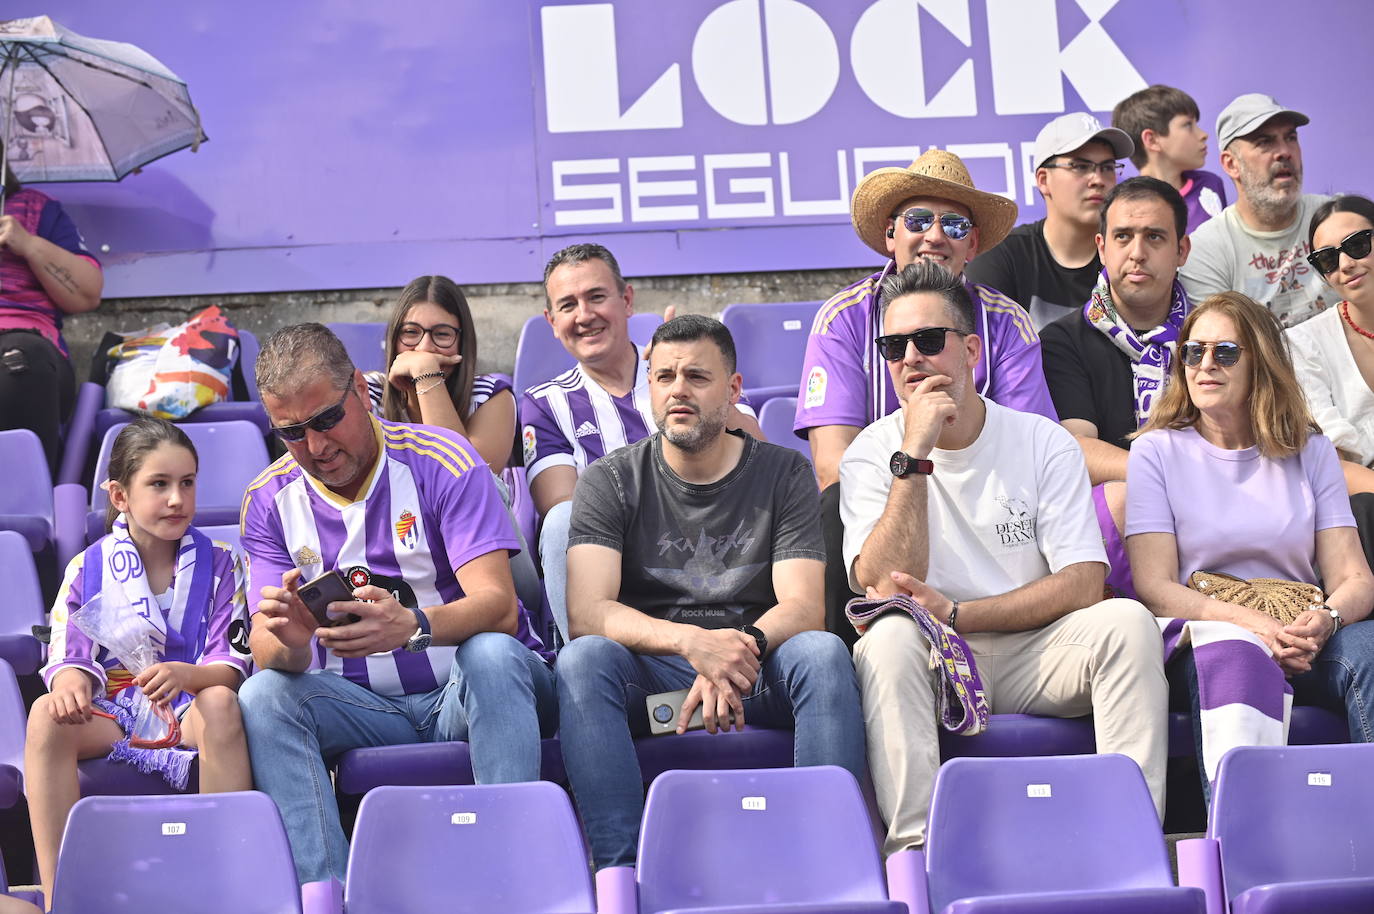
(1258, 245)
(983, 515)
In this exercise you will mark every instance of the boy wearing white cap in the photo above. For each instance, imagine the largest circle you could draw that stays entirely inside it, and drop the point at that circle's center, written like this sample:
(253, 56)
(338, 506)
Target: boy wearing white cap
(1258, 245)
(1050, 266)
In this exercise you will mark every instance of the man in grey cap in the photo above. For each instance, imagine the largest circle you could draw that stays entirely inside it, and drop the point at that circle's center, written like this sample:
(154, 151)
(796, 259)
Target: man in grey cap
(1258, 244)
(1050, 266)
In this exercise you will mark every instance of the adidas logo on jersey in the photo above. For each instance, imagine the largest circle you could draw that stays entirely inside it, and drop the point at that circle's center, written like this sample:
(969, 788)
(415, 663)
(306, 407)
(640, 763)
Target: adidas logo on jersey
(585, 429)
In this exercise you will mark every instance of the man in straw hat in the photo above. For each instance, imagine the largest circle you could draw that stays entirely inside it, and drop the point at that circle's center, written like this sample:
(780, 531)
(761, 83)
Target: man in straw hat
(931, 211)
(1258, 244)
(1051, 266)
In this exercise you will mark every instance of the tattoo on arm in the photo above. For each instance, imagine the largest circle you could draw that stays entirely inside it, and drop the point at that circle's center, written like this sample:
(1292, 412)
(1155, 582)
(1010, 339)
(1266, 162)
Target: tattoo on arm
(63, 276)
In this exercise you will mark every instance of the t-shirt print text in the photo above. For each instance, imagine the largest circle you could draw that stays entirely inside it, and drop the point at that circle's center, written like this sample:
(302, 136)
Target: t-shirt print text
(1017, 529)
(1285, 266)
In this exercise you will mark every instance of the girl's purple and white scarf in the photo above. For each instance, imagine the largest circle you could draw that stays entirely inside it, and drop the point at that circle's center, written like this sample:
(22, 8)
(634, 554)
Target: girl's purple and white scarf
(114, 566)
(1245, 699)
(960, 702)
(1149, 352)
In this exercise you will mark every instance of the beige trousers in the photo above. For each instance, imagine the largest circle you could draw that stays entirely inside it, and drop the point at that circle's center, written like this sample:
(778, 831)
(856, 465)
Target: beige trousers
(1105, 660)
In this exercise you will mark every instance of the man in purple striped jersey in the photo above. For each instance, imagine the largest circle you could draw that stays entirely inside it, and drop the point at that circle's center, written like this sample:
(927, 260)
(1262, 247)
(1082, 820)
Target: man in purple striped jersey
(927, 211)
(598, 406)
(441, 648)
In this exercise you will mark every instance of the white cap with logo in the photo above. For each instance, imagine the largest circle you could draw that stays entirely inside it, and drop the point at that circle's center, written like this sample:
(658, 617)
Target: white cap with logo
(1070, 131)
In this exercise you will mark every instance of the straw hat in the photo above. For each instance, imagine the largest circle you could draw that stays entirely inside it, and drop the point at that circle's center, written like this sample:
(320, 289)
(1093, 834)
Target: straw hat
(937, 173)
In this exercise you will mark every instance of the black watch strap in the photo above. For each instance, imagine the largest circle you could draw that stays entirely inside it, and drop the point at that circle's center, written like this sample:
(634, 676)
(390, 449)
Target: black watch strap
(759, 638)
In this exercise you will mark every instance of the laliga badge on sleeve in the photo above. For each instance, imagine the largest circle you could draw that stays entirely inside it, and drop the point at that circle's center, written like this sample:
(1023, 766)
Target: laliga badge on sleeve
(815, 388)
(358, 576)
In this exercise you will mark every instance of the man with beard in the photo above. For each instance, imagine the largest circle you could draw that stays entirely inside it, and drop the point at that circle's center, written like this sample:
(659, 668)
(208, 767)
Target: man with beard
(1258, 245)
(694, 563)
(981, 514)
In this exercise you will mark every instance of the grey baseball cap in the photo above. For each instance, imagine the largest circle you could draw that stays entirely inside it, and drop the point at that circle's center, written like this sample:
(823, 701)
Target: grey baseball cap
(1069, 131)
(1249, 113)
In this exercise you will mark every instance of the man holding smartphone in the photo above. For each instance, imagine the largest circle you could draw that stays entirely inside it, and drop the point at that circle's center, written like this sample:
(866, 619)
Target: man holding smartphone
(441, 648)
(695, 562)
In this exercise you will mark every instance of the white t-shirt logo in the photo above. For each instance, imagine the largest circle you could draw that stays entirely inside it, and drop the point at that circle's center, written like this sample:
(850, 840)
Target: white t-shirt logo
(1017, 528)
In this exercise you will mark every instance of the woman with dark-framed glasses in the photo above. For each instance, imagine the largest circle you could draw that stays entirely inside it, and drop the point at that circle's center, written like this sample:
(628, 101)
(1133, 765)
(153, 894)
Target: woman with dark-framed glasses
(1334, 351)
(1230, 474)
(431, 376)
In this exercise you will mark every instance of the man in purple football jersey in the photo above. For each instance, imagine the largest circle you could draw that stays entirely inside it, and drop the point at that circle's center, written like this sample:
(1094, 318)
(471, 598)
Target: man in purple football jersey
(592, 409)
(928, 211)
(441, 648)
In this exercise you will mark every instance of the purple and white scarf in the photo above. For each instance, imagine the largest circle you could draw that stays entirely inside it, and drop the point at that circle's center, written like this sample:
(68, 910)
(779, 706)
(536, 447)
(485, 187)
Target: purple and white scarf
(961, 703)
(1150, 351)
(1244, 697)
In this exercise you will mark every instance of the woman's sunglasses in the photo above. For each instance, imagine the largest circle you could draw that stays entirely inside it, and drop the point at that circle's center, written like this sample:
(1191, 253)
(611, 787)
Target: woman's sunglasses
(1226, 353)
(1356, 247)
(929, 341)
(322, 421)
(919, 220)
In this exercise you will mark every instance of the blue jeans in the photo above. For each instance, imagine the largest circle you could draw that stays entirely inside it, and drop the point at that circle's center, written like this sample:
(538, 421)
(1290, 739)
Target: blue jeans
(1342, 678)
(500, 697)
(553, 558)
(807, 683)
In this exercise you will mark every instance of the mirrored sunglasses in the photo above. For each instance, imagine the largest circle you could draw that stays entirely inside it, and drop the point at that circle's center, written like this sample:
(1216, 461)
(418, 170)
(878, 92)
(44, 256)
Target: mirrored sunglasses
(919, 220)
(1355, 246)
(1225, 352)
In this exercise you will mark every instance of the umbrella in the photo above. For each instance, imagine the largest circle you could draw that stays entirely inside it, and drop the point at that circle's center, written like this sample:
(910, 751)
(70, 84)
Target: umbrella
(81, 109)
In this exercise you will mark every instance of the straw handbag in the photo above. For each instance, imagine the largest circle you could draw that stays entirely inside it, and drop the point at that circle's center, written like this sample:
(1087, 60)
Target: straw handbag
(1284, 600)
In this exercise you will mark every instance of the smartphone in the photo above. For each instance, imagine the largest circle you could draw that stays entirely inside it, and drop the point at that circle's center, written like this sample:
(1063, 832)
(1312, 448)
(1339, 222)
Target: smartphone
(329, 587)
(664, 709)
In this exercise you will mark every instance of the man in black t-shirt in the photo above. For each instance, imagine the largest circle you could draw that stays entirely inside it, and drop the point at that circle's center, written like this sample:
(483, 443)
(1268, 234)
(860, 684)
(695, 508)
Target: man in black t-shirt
(695, 562)
(1050, 266)
(1106, 362)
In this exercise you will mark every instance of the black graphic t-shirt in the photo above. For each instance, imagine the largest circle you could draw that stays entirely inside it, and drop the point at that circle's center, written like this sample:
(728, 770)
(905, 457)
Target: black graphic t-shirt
(699, 554)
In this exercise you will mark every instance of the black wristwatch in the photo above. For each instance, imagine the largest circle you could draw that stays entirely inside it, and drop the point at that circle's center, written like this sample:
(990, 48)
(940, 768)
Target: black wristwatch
(759, 638)
(903, 465)
(420, 641)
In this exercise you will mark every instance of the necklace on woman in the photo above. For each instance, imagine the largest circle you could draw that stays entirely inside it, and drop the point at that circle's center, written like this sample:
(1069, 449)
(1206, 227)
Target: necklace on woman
(1345, 313)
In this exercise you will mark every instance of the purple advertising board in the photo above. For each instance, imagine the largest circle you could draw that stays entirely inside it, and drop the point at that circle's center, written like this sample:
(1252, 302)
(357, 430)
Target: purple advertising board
(356, 145)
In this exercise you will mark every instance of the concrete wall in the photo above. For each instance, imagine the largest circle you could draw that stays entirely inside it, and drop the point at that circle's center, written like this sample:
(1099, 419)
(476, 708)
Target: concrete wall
(500, 310)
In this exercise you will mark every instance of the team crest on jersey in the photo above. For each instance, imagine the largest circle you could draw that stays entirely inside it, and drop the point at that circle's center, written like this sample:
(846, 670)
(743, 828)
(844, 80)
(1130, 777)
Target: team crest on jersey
(815, 387)
(405, 529)
(305, 556)
(527, 436)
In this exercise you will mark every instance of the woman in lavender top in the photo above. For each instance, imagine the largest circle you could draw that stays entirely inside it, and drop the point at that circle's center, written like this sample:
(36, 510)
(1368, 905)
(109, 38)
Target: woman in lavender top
(1231, 474)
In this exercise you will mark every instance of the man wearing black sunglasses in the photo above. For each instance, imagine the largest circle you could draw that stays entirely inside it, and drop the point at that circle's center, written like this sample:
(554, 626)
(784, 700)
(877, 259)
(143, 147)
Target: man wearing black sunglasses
(927, 212)
(982, 515)
(423, 638)
(1258, 245)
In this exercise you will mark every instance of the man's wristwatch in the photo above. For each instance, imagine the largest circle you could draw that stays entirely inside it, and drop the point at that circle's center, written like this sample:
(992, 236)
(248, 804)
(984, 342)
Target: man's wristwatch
(903, 465)
(759, 638)
(420, 641)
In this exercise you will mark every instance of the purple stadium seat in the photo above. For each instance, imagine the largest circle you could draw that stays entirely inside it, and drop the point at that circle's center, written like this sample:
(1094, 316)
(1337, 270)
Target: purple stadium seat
(365, 342)
(776, 417)
(12, 727)
(99, 777)
(423, 765)
(22, 606)
(752, 747)
(1022, 734)
(539, 356)
(1059, 833)
(26, 498)
(1290, 831)
(755, 841)
(224, 533)
(770, 346)
(213, 853)
(76, 438)
(509, 848)
(231, 454)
